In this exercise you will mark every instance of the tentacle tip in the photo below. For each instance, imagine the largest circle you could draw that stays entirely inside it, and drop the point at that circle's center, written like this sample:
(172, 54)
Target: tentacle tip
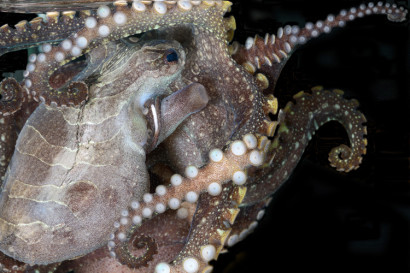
(397, 17)
(343, 159)
(123, 254)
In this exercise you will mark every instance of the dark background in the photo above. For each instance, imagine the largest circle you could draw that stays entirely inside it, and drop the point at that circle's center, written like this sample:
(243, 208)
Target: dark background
(322, 220)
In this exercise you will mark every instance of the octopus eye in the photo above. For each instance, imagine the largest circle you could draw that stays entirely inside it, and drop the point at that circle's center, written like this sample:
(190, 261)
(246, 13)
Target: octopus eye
(171, 56)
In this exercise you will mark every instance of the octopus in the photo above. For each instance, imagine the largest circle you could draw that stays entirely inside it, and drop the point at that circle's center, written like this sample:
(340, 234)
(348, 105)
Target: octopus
(142, 139)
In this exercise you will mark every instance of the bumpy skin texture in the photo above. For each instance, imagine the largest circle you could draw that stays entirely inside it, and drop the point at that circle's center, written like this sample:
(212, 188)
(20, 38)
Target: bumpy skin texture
(88, 149)
(236, 107)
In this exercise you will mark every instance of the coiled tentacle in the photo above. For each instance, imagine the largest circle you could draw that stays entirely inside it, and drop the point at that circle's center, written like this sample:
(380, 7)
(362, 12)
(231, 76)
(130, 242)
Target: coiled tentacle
(298, 123)
(318, 108)
(12, 96)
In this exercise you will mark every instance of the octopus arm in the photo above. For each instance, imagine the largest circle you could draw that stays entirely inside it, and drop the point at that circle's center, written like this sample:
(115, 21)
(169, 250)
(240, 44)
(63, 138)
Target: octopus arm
(110, 23)
(299, 121)
(210, 228)
(54, 28)
(212, 179)
(41, 6)
(269, 55)
(246, 221)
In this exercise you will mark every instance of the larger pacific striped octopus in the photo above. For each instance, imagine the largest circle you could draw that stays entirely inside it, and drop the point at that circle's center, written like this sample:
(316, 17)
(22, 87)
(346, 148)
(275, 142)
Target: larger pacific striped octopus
(76, 194)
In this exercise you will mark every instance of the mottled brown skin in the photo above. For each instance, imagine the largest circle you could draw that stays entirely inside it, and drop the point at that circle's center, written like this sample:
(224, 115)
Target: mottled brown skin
(236, 107)
(41, 212)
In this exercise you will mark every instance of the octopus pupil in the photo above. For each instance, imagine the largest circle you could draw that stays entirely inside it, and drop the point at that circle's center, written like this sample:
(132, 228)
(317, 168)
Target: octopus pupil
(172, 56)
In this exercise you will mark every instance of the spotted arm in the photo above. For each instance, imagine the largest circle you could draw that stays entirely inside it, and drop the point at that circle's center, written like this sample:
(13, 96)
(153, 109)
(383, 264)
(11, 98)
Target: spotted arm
(109, 24)
(269, 55)
(53, 28)
(212, 179)
(299, 121)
